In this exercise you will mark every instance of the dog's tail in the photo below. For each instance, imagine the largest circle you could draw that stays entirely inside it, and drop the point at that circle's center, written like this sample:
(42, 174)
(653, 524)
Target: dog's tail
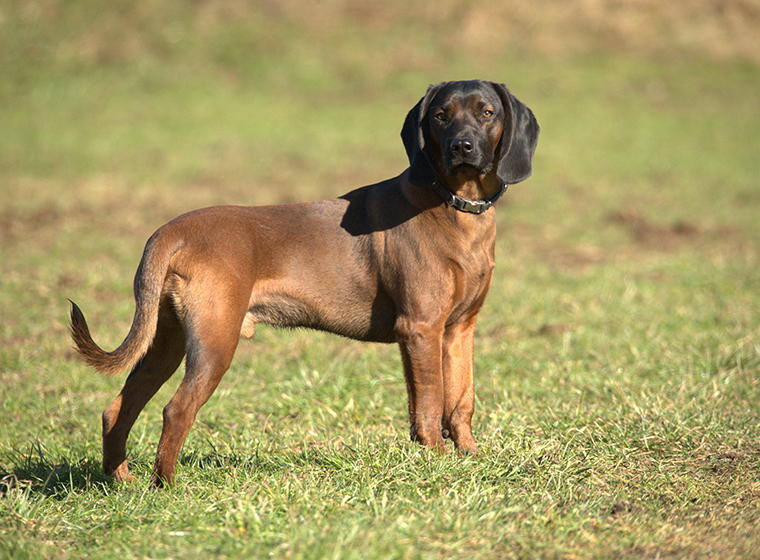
(149, 282)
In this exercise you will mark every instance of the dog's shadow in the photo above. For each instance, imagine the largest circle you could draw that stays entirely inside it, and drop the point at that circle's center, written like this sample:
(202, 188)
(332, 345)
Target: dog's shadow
(38, 473)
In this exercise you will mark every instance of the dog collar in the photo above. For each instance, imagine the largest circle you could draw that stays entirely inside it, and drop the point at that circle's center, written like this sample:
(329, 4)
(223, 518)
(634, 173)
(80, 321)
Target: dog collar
(465, 204)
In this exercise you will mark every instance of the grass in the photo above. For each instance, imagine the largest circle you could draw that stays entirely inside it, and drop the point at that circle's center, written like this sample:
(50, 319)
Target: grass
(617, 362)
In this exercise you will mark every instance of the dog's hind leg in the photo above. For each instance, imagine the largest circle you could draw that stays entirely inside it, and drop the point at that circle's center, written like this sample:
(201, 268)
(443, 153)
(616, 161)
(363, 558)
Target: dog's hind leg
(147, 377)
(212, 337)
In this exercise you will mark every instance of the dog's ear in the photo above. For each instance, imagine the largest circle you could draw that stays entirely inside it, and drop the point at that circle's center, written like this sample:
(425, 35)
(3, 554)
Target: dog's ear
(518, 141)
(414, 136)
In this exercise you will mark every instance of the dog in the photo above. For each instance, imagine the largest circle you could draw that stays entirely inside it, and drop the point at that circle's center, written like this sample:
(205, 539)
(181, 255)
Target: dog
(408, 260)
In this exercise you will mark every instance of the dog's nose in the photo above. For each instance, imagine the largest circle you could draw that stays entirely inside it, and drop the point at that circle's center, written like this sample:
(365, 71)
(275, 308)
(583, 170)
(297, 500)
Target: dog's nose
(462, 146)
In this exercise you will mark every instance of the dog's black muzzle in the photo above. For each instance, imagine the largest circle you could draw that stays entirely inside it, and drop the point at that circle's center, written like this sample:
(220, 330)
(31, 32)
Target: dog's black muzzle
(465, 151)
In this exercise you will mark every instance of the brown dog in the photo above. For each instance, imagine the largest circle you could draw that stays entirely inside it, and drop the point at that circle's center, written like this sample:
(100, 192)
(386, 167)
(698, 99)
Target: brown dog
(408, 260)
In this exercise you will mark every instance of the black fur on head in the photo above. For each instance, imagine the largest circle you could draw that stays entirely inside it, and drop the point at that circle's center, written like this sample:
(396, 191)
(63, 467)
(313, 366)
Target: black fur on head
(518, 142)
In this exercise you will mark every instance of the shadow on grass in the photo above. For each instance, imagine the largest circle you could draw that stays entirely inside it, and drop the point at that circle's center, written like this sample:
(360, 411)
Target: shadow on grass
(39, 473)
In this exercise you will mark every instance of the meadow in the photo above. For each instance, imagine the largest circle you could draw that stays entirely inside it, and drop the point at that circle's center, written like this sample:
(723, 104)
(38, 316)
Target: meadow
(617, 356)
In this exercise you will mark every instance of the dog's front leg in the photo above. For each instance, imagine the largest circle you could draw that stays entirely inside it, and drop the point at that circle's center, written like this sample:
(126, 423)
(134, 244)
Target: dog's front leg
(420, 345)
(458, 384)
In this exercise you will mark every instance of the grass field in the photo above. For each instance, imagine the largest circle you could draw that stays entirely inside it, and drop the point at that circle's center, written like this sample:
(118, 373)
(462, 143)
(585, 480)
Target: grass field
(618, 354)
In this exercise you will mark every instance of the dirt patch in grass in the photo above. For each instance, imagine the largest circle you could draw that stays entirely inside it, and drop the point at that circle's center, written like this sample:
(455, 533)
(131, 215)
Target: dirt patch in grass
(648, 234)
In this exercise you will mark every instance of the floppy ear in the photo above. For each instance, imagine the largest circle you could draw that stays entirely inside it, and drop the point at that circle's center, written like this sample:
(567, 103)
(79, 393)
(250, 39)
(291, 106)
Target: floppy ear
(518, 141)
(413, 134)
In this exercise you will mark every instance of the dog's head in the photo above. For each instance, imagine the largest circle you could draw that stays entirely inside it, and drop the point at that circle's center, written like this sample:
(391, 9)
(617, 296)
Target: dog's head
(473, 124)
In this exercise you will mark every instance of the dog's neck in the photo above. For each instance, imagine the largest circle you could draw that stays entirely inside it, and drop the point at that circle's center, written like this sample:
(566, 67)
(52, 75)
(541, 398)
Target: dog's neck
(471, 195)
(465, 204)
(468, 198)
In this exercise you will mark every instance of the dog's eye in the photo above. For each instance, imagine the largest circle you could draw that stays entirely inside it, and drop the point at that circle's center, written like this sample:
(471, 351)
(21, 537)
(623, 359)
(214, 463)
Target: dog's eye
(440, 116)
(487, 114)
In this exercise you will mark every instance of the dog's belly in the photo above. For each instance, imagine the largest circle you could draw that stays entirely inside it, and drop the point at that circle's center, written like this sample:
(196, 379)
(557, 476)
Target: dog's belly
(367, 320)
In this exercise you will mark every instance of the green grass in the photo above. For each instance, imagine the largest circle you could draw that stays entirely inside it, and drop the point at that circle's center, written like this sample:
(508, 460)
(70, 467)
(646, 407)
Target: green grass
(618, 354)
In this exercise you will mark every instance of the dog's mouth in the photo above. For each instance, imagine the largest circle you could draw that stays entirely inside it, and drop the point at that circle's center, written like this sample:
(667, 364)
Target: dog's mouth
(456, 167)
(474, 159)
